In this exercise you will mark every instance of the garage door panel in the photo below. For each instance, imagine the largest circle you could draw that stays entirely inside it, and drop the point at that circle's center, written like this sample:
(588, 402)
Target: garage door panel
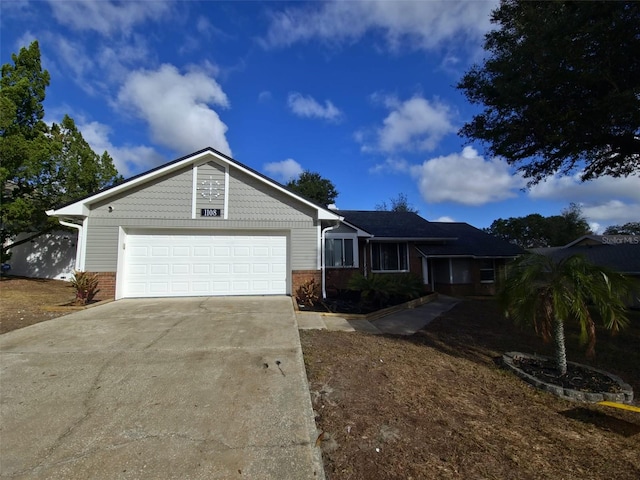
(201, 269)
(180, 269)
(159, 269)
(183, 265)
(181, 251)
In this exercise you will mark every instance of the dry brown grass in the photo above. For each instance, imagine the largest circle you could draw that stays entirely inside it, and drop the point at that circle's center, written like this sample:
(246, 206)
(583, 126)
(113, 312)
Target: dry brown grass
(25, 301)
(438, 405)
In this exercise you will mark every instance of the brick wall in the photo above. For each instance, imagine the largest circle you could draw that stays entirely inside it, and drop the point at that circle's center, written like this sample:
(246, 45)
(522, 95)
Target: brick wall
(106, 285)
(299, 277)
(338, 278)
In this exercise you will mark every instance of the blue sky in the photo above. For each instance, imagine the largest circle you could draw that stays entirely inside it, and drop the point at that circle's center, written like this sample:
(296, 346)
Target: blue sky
(360, 92)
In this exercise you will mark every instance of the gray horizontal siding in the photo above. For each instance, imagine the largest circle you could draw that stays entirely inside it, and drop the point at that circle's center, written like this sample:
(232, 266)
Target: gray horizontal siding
(101, 248)
(304, 243)
(167, 203)
(250, 198)
(167, 197)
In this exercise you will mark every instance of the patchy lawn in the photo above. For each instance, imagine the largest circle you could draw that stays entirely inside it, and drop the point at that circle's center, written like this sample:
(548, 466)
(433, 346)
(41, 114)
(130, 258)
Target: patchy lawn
(438, 404)
(25, 301)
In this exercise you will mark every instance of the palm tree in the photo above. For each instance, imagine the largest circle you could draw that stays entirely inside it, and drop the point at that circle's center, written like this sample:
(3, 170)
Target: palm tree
(549, 293)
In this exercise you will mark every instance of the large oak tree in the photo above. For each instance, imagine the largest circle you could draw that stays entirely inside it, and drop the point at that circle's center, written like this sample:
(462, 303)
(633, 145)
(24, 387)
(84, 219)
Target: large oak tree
(560, 88)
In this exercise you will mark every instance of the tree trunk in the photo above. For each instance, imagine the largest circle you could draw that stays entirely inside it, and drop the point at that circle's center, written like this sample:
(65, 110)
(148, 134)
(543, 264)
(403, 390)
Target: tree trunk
(561, 354)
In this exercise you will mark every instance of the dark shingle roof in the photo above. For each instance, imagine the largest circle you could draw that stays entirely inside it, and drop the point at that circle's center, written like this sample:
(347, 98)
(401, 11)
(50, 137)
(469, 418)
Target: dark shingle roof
(470, 241)
(382, 224)
(432, 238)
(624, 258)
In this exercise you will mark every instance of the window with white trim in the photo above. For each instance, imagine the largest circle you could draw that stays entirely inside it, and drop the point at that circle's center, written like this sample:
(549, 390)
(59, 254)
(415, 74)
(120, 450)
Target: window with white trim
(340, 252)
(487, 271)
(389, 257)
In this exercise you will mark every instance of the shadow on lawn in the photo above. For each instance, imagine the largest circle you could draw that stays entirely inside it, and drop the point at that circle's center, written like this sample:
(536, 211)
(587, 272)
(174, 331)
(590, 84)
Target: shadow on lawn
(603, 421)
(476, 330)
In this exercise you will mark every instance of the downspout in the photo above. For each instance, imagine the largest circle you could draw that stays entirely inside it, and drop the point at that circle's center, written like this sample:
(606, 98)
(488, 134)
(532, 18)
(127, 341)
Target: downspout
(78, 265)
(323, 259)
(366, 256)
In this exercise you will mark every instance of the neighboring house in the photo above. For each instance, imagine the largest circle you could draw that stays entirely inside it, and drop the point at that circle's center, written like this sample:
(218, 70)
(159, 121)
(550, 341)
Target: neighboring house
(50, 255)
(206, 224)
(618, 252)
(451, 258)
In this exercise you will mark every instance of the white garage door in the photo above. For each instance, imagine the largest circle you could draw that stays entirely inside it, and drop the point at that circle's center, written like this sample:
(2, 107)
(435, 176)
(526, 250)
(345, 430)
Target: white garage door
(194, 265)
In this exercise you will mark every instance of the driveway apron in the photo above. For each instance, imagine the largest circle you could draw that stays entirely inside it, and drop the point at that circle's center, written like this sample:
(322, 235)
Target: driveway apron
(190, 388)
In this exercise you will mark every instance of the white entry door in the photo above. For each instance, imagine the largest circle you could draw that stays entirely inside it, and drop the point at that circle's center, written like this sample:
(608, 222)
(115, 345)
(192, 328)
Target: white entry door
(201, 265)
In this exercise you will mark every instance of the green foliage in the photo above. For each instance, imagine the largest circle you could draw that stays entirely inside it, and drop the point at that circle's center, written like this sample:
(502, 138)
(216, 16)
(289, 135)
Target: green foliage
(85, 285)
(550, 292)
(308, 294)
(631, 228)
(315, 188)
(560, 88)
(41, 167)
(381, 289)
(536, 231)
(398, 204)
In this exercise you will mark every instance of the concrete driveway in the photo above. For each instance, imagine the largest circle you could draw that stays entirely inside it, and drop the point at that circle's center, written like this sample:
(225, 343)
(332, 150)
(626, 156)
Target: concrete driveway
(159, 388)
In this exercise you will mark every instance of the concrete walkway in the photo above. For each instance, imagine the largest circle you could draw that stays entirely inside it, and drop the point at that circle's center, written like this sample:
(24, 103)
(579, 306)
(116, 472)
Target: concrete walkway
(405, 322)
(197, 388)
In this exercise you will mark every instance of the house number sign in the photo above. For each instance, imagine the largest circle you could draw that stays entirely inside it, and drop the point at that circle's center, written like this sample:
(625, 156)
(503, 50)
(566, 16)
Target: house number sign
(209, 212)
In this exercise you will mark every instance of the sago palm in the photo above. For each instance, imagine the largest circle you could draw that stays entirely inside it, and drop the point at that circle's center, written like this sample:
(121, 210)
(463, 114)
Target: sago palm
(552, 292)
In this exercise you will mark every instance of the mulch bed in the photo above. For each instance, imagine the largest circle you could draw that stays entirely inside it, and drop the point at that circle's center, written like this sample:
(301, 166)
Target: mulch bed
(576, 378)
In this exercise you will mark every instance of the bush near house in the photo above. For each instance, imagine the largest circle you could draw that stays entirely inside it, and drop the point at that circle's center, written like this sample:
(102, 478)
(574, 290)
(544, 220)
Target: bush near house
(380, 291)
(85, 285)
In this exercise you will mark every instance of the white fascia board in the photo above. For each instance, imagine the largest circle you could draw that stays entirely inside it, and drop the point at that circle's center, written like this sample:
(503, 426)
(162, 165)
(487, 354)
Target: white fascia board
(78, 209)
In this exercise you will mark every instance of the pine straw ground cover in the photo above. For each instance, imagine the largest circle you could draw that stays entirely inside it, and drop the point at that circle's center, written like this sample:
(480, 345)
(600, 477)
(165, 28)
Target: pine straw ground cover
(439, 405)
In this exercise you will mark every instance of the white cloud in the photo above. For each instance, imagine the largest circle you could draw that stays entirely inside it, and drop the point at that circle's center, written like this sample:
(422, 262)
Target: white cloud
(308, 107)
(106, 16)
(605, 200)
(392, 165)
(572, 189)
(129, 159)
(465, 178)
(419, 25)
(177, 107)
(284, 171)
(413, 125)
(611, 212)
(445, 219)
(264, 96)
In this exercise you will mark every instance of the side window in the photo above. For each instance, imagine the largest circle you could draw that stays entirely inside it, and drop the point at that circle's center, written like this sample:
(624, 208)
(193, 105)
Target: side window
(340, 252)
(487, 271)
(389, 257)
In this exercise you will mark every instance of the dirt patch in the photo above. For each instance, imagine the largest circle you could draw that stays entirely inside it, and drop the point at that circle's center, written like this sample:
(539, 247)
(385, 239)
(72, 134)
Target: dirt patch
(439, 405)
(26, 301)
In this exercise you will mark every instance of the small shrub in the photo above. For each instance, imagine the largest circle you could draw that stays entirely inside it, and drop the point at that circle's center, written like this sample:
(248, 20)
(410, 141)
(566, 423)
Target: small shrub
(308, 294)
(375, 290)
(85, 285)
(407, 286)
(388, 289)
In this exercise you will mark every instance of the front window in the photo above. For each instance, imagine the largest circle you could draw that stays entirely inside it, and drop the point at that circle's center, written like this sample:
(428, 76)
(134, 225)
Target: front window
(389, 257)
(339, 252)
(487, 271)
